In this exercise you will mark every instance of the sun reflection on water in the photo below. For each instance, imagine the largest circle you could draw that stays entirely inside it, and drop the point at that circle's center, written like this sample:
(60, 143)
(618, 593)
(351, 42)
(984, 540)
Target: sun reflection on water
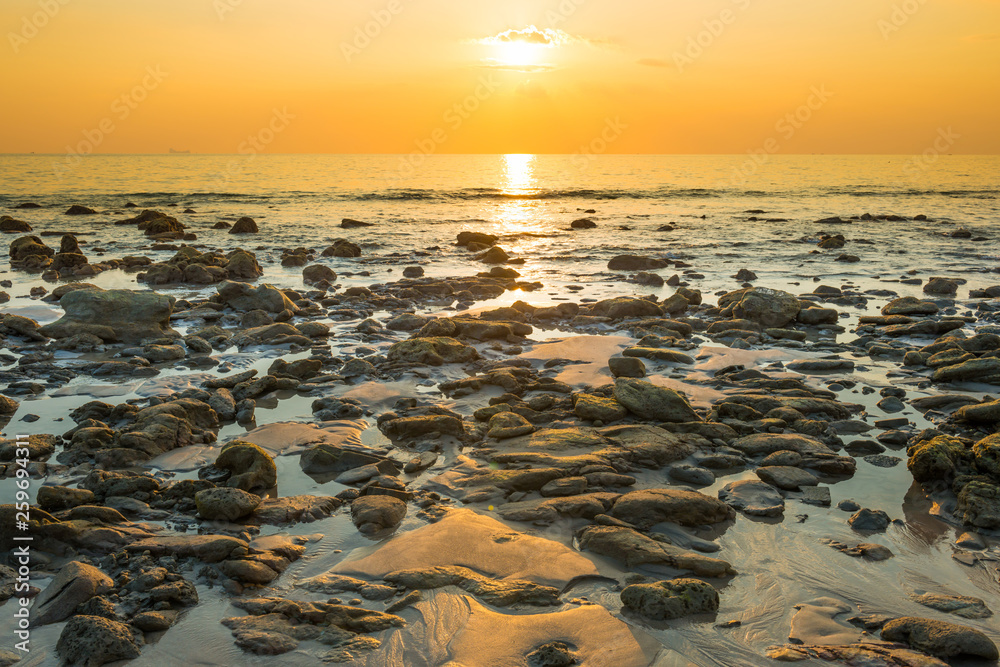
(516, 211)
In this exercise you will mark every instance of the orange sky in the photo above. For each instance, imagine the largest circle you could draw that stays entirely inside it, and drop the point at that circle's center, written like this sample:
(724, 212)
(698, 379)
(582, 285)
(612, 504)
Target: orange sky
(545, 76)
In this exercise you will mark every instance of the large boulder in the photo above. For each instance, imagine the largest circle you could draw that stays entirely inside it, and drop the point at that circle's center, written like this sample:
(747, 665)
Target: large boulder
(374, 514)
(667, 600)
(432, 351)
(939, 638)
(647, 507)
(244, 226)
(251, 467)
(92, 641)
(623, 307)
(28, 246)
(225, 504)
(649, 401)
(768, 307)
(636, 263)
(244, 297)
(75, 584)
(123, 316)
(10, 225)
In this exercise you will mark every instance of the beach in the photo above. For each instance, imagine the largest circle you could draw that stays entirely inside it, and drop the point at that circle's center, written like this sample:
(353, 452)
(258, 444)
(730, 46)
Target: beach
(503, 410)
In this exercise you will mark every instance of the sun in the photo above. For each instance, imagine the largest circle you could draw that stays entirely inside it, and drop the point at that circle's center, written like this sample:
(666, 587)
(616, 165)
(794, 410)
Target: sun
(517, 53)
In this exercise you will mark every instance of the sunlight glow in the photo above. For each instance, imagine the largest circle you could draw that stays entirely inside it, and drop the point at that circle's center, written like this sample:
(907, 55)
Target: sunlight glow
(518, 53)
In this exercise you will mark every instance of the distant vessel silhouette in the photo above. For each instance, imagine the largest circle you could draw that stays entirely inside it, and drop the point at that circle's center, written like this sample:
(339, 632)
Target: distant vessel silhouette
(176, 152)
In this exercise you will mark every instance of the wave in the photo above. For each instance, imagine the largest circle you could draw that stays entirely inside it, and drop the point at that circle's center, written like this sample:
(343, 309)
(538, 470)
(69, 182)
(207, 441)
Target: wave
(482, 194)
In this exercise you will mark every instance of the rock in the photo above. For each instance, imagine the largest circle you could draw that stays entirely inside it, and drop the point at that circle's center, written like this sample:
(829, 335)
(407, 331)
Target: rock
(244, 226)
(597, 408)
(982, 413)
(583, 223)
(959, 605)
(251, 467)
(374, 514)
(659, 354)
(9, 225)
(647, 278)
(910, 305)
(348, 223)
(634, 549)
(244, 297)
(761, 444)
(343, 248)
(77, 209)
(208, 548)
(972, 370)
(869, 521)
(690, 474)
(935, 459)
(225, 504)
(939, 638)
(622, 307)
(628, 367)
(75, 583)
(8, 405)
(753, 498)
(413, 272)
(92, 641)
(495, 255)
(941, 286)
(979, 504)
(636, 263)
(667, 600)
(56, 498)
(650, 401)
(647, 507)
(505, 425)
(317, 273)
(434, 351)
(788, 478)
(123, 316)
(767, 307)
(27, 247)
(478, 238)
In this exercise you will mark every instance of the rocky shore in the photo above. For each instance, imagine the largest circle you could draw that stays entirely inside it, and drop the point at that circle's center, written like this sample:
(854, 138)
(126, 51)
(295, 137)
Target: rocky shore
(464, 469)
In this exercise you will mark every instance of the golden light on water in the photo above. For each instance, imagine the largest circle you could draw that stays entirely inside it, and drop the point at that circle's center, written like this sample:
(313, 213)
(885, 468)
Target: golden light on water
(517, 215)
(519, 173)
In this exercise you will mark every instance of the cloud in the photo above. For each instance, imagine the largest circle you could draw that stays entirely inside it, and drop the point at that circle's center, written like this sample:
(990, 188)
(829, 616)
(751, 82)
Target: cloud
(492, 63)
(652, 62)
(547, 37)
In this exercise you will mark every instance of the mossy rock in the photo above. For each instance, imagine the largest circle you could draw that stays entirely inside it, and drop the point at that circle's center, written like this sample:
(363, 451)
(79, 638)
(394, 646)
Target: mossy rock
(251, 466)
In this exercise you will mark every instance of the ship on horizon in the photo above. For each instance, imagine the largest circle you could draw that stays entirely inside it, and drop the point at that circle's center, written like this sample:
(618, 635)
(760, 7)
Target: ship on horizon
(177, 152)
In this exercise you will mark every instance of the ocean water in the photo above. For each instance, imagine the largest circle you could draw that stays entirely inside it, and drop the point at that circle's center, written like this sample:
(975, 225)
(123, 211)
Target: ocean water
(727, 211)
